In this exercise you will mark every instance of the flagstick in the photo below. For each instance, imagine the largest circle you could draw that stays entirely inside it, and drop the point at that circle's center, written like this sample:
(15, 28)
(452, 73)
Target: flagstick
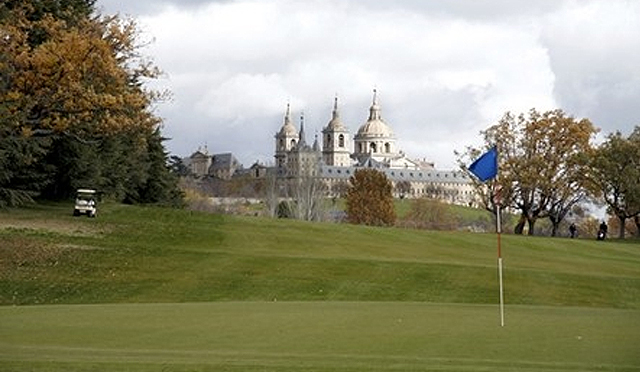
(485, 168)
(499, 230)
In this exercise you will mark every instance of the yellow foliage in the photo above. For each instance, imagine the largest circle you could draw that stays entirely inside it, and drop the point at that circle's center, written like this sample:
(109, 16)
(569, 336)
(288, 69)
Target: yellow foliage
(79, 79)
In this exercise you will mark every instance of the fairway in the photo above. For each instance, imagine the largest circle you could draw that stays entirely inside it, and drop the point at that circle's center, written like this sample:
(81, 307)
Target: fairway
(153, 289)
(317, 336)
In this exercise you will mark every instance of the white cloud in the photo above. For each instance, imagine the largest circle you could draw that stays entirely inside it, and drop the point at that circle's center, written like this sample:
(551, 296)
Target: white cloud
(444, 70)
(244, 97)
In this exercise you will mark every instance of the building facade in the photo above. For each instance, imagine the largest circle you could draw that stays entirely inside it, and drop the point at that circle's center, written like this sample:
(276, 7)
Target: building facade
(374, 146)
(202, 164)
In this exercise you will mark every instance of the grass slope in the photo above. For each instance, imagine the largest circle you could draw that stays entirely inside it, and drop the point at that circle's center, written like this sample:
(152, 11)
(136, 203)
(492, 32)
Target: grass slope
(132, 254)
(147, 289)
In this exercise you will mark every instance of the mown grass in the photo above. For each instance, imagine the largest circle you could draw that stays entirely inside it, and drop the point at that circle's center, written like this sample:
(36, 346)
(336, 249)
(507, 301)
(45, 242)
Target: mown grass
(151, 289)
(317, 336)
(134, 254)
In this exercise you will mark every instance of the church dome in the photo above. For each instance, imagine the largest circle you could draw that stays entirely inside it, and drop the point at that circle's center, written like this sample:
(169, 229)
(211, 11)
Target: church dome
(375, 126)
(288, 130)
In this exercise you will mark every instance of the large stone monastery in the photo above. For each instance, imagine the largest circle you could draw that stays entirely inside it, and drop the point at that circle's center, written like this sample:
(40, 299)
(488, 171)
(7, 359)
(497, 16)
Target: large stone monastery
(335, 161)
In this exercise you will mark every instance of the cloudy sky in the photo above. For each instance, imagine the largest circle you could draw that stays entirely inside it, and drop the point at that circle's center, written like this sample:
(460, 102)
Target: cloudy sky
(444, 70)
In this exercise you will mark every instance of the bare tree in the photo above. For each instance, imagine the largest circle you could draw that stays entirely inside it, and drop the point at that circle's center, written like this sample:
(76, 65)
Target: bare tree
(307, 197)
(403, 188)
(271, 195)
(339, 189)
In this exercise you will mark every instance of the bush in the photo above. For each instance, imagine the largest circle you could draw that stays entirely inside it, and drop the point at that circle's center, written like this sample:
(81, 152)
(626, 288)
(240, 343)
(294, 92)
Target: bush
(431, 214)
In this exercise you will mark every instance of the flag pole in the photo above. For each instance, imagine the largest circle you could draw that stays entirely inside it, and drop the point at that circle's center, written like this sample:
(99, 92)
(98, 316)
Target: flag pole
(486, 168)
(499, 231)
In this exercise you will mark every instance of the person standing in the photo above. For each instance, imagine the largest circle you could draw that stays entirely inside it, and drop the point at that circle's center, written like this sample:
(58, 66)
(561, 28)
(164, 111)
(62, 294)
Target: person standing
(602, 232)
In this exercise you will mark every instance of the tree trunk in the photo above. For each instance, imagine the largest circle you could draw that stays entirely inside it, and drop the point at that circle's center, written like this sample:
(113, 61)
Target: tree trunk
(554, 227)
(271, 195)
(495, 217)
(532, 224)
(519, 226)
(623, 221)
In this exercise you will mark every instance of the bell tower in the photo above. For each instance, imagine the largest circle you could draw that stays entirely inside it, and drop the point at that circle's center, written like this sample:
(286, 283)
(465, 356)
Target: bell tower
(286, 139)
(335, 141)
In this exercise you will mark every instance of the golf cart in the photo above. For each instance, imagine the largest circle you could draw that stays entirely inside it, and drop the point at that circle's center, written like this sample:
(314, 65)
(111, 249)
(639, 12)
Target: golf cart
(85, 203)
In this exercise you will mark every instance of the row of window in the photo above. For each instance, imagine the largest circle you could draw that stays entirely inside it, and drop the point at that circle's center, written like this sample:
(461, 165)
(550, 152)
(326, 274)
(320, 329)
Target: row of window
(446, 175)
(373, 147)
(441, 192)
(401, 174)
(339, 171)
(340, 140)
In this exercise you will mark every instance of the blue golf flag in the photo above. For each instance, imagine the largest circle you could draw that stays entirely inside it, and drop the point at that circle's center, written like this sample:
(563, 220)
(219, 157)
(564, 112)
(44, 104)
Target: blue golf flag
(486, 166)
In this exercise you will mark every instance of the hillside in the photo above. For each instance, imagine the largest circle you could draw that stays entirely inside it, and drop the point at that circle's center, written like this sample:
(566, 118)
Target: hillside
(151, 255)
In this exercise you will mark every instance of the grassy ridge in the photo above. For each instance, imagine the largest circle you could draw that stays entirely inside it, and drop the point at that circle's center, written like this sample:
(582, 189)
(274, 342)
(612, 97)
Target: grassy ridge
(132, 254)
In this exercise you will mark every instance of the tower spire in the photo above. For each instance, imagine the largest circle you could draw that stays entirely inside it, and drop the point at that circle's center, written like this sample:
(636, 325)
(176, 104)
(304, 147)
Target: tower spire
(302, 141)
(316, 145)
(335, 107)
(287, 115)
(374, 111)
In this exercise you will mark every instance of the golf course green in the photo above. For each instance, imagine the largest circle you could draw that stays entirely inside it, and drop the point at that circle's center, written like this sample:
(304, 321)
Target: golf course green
(153, 289)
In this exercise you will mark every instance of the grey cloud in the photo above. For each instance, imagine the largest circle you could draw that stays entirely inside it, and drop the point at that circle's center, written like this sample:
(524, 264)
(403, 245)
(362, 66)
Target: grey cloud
(148, 7)
(595, 62)
(480, 10)
(443, 68)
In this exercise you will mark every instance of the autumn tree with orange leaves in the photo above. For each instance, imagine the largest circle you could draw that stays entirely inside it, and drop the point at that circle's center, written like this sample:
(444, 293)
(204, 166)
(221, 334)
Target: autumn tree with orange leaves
(74, 111)
(543, 163)
(370, 199)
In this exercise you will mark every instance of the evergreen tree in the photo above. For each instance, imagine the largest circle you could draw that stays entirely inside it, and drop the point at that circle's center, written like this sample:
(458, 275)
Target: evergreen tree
(162, 185)
(177, 166)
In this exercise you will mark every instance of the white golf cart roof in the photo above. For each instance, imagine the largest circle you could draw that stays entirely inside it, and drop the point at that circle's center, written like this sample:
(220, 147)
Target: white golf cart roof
(86, 191)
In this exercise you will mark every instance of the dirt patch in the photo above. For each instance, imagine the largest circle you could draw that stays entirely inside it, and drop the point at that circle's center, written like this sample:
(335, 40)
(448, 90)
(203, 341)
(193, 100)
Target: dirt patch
(79, 247)
(17, 253)
(59, 227)
(20, 251)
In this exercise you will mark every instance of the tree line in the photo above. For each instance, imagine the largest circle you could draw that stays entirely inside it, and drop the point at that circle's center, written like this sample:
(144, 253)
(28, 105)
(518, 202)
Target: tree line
(548, 164)
(74, 109)
(548, 168)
